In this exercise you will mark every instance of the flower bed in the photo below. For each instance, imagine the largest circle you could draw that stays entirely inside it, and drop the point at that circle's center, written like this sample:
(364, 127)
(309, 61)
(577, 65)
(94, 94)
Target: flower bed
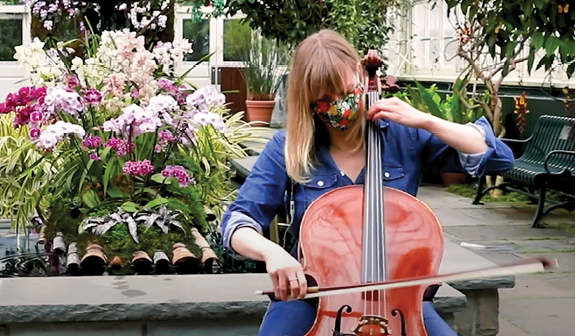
(133, 161)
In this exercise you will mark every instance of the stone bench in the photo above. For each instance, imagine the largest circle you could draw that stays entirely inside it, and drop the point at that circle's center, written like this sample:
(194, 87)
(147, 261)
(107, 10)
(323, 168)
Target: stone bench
(481, 318)
(204, 305)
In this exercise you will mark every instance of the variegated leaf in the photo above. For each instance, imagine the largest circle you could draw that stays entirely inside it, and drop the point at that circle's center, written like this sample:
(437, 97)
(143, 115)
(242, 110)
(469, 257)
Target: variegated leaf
(132, 225)
(162, 225)
(86, 225)
(178, 224)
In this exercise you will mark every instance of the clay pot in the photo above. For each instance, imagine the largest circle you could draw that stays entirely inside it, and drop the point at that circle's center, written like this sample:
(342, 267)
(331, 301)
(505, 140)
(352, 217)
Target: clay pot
(116, 263)
(141, 262)
(59, 244)
(453, 178)
(184, 261)
(260, 112)
(210, 262)
(162, 263)
(41, 236)
(73, 259)
(94, 260)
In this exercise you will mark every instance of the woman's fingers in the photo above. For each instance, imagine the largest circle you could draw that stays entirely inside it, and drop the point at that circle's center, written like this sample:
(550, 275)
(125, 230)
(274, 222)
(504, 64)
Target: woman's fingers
(302, 286)
(293, 284)
(283, 286)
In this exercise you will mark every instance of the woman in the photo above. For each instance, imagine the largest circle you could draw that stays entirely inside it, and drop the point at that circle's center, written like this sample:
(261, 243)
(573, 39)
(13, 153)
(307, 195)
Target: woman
(323, 148)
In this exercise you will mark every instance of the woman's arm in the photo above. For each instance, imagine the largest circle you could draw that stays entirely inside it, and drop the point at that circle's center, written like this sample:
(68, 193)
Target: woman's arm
(257, 202)
(465, 138)
(253, 211)
(447, 146)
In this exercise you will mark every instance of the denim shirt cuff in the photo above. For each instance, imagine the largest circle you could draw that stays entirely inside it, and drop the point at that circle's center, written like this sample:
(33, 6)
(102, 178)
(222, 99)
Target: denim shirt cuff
(236, 221)
(474, 164)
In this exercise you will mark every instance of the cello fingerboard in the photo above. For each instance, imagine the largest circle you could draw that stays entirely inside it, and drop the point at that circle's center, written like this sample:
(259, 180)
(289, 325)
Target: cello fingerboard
(373, 242)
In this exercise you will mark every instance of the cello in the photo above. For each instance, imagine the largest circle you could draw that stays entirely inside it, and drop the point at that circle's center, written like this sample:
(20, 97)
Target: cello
(370, 234)
(373, 250)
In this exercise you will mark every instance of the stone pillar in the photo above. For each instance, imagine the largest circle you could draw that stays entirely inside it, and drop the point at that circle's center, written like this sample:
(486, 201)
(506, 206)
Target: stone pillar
(482, 315)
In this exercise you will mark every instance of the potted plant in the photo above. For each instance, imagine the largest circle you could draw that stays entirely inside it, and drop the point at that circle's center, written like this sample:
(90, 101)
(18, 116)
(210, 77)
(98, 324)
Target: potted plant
(262, 58)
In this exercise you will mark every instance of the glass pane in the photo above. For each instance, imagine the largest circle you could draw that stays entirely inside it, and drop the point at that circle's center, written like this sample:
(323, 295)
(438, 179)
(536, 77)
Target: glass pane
(198, 33)
(10, 37)
(236, 35)
(67, 30)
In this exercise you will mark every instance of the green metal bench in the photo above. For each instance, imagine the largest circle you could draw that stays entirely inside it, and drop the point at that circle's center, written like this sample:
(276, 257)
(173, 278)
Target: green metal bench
(547, 162)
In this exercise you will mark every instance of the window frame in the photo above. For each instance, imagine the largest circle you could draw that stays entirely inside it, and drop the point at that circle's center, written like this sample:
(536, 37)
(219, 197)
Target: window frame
(12, 69)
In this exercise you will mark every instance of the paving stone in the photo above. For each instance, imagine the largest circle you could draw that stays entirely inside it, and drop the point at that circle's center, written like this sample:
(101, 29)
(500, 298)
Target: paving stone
(563, 281)
(547, 245)
(488, 232)
(499, 258)
(534, 286)
(507, 328)
(540, 317)
(565, 260)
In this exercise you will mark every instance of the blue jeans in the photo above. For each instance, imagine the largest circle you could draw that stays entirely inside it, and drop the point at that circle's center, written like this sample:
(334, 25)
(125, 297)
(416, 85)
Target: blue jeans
(294, 318)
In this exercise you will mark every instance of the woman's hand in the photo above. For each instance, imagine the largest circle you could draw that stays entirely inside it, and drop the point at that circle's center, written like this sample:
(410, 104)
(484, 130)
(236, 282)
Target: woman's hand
(286, 273)
(399, 111)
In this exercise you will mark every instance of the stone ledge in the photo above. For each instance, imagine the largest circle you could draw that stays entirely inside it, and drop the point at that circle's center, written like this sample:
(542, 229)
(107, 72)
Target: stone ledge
(489, 283)
(149, 298)
(202, 311)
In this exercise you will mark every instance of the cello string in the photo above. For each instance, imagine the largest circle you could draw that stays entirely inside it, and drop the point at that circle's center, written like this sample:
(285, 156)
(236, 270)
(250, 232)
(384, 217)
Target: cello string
(366, 242)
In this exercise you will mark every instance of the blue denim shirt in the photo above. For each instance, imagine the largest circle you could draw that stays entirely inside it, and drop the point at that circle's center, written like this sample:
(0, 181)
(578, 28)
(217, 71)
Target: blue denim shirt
(407, 154)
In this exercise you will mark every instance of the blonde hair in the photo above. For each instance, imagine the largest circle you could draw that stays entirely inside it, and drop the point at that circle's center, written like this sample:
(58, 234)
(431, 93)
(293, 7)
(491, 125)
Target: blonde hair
(317, 68)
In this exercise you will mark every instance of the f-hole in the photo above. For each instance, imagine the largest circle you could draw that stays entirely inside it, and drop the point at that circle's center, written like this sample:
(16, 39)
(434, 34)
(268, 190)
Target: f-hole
(337, 331)
(396, 312)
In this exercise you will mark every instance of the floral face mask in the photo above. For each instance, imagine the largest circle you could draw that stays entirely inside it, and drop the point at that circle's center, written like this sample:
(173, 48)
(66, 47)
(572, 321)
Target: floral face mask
(341, 113)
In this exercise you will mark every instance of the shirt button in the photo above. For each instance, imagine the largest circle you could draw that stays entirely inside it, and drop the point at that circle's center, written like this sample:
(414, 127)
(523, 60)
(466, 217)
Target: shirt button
(387, 174)
(343, 174)
(320, 183)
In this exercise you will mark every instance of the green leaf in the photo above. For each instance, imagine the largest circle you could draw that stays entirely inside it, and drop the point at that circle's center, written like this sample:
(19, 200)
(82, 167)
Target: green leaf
(115, 192)
(538, 40)
(531, 59)
(551, 44)
(430, 103)
(111, 165)
(129, 207)
(160, 179)
(91, 199)
(158, 201)
(570, 70)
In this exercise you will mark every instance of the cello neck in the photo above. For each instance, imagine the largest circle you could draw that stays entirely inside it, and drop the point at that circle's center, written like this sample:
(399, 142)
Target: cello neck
(373, 240)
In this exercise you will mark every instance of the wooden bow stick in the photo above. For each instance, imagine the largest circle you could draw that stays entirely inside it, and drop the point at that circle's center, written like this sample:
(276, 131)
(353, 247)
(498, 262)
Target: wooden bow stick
(531, 265)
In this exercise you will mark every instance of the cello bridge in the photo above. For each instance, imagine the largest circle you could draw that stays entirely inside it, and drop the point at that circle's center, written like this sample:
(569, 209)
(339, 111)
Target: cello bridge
(372, 325)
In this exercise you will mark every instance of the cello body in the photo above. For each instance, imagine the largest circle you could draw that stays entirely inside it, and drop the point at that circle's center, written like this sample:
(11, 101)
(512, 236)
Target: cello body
(332, 254)
(358, 234)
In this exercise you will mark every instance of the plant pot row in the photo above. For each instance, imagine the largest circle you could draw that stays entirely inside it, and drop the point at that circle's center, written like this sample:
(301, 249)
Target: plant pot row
(95, 262)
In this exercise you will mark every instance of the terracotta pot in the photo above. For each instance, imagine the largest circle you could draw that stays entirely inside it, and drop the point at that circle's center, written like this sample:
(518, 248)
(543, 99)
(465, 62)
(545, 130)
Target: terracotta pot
(41, 236)
(59, 244)
(211, 263)
(184, 261)
(141, 262)
(260, 112)
(116, 263)
(162, 263)
(453, 178)
(94, 260)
